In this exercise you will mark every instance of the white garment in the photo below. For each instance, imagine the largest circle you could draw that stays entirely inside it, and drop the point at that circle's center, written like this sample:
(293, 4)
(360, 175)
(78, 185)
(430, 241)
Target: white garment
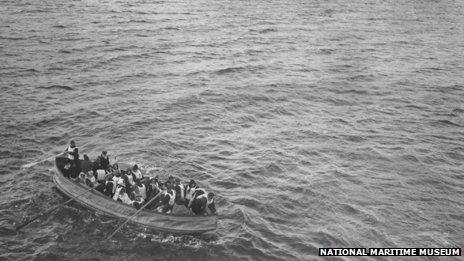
(92, 179)
(189, 192)
(101, 174)
(182, 191)
(125, 199)
(70, 150)
(115, 183)
(143, 191)
(116, 193)
(131, 179)
(172, 197)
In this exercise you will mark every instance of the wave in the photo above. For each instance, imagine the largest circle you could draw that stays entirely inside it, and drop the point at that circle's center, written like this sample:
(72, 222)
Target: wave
(264, 31)
(238, 69)
(445, 123)
(353, 91)
(56, 87)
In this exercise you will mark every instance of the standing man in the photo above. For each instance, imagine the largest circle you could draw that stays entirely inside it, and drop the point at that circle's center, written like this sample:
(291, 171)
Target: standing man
(73, 158)
(103, 161)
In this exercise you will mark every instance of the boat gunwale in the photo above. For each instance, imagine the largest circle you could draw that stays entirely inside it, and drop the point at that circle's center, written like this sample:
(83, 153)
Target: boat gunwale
(58, 173)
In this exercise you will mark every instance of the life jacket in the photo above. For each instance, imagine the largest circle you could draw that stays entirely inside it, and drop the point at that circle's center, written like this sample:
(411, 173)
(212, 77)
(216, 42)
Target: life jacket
(172, 197)
(138, 195)
(181, 190)
(115, 183)
(91, 178)
(137, 174)
(130, 178)
(116, 193)
(101, 174)
(143, 191)
(70, 150)
(125, 199)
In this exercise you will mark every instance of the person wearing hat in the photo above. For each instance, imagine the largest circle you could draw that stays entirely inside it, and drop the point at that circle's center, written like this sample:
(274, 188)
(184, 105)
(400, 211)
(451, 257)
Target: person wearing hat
(102, 162)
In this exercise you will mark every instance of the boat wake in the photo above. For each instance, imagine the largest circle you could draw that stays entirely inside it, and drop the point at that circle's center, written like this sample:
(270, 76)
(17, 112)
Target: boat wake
(183, 241)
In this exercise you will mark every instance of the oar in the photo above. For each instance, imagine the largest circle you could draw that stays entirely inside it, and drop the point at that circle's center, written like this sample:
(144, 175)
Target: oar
(30, 164)
(129, 218)
(50, 210)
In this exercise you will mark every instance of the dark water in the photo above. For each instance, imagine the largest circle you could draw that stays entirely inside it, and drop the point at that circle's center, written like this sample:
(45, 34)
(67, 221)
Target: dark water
(318, 123)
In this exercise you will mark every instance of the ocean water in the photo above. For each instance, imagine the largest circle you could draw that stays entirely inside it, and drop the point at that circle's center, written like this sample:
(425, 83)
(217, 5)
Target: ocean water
(317, 123)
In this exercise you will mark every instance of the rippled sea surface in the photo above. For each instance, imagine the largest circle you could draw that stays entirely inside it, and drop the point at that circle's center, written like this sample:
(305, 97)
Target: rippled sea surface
(323, 123)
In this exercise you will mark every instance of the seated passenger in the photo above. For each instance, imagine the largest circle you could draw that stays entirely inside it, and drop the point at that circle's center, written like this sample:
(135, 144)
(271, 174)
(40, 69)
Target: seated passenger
(161, 194)
(166, 199)
(198, 192)
(210, 203)
(153, 189)
(89, 179)
(154, 182)
(129, 177)
(86, 165)
(142, 188)
(106, 186)
(180, 192)
(119, 186)
(201, 203)
(137, 173)
(136, 197)
(116, 177)
(124, 197)
(100, 175)
(189, 190)
(114, 169)
(67, 170)
(102, 162)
